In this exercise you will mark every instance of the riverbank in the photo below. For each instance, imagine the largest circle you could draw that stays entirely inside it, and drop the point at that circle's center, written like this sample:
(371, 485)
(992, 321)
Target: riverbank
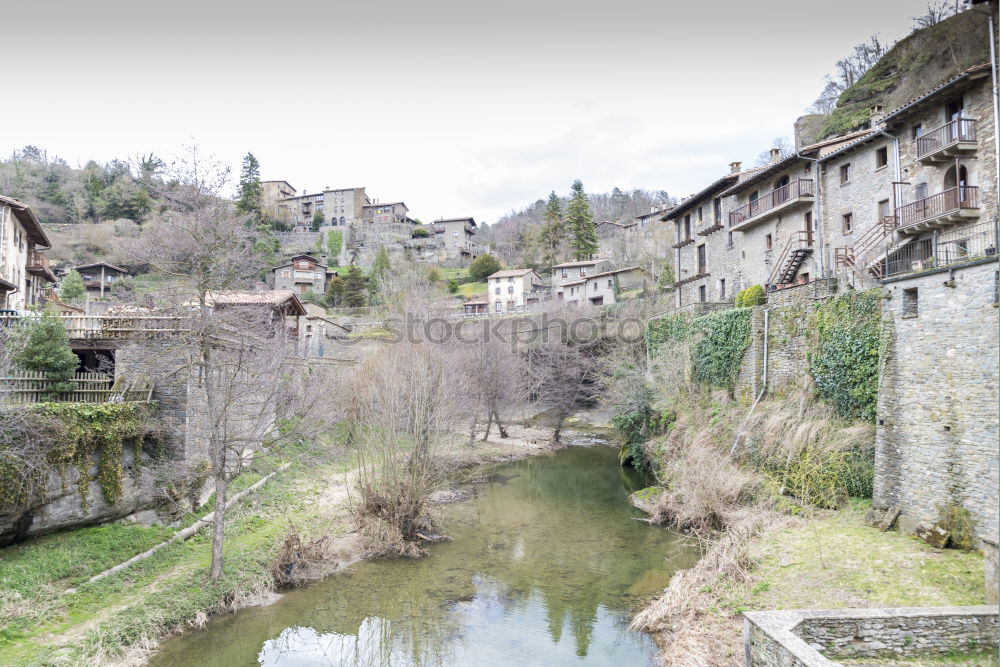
(49, 614)
(828, 560)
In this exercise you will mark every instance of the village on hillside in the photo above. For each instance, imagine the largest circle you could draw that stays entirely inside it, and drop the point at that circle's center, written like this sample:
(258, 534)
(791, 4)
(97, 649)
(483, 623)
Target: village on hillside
(785, 408)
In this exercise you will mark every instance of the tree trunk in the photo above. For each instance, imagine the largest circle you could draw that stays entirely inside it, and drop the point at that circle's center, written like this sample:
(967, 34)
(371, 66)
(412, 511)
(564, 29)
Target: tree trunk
(503, 431)
(489, 424)
(219, 519)
(558, 427)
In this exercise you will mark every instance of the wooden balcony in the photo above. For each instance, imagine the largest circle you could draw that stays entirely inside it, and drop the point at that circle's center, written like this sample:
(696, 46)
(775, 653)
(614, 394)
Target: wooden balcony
(941, 210)
(112, 327)
(955, 138)
(794, 195)
(38, 265)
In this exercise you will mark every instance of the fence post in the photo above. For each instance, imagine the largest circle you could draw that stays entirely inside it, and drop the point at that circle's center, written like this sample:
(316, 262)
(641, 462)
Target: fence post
(934, 251)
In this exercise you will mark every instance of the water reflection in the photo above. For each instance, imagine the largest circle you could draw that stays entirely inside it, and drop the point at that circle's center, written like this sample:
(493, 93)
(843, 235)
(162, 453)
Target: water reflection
(545, 568)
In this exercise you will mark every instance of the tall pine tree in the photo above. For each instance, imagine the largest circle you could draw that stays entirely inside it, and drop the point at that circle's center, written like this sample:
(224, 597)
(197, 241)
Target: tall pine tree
(250, 197)
(553, 232)
(583, 233)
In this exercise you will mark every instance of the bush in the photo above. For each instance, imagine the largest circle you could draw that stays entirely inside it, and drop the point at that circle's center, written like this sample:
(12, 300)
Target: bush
(452, 286)
(72, 288)
(420, 233)
(483, 266)
(47, 351)
(751, 296)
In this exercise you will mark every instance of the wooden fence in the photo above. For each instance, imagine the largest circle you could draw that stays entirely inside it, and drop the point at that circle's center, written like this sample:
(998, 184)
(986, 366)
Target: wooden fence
(33, 387)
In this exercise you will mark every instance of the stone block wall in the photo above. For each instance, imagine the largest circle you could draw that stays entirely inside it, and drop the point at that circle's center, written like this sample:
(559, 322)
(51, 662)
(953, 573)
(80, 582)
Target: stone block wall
(937, 430)
(812, 637)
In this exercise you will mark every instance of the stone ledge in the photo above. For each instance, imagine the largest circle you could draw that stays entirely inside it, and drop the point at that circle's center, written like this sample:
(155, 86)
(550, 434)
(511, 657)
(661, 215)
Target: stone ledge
(773, 637)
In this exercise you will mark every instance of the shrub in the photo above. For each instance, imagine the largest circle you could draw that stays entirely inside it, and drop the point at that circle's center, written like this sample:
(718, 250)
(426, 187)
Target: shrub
(420, 233)
(47, 351)
(751, 296)
(483, 266)
(72, 288)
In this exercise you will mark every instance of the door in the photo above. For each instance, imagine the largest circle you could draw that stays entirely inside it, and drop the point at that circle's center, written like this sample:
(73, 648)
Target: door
(961, 196)
(781, 190)
(954, 110)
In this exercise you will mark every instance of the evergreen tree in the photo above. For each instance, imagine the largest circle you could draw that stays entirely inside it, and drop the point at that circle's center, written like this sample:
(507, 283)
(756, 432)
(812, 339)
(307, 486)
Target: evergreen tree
(380, 265)
(618, 201)
(318, 219)
(47, 351)
(250, 197)
(335, 292)
(72, 288)
(355, 288)
(583, 233)
(553, 232)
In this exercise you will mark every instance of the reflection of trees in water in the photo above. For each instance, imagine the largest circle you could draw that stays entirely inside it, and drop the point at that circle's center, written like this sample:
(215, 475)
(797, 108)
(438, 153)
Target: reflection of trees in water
(554, 551)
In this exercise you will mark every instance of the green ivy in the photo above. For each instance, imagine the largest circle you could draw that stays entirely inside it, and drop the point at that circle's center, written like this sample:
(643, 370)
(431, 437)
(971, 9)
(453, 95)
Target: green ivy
(722, 339)
(845, 359)
(84, 430)
(636, 427)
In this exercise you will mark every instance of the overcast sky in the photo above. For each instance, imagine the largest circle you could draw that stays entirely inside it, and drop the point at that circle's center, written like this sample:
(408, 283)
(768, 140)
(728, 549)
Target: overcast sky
(456, 107)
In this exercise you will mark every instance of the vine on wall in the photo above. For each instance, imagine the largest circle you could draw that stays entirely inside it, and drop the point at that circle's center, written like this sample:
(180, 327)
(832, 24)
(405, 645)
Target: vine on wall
(845, 358)
(71, 434)
(722, 339)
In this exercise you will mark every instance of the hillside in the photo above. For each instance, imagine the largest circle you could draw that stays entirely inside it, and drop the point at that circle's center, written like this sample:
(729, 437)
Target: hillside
(916, 63)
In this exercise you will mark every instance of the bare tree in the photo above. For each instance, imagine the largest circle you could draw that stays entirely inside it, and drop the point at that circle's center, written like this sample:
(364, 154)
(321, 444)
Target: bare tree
(936, 12)
(246, 389)
(561, 373)
(496, 381)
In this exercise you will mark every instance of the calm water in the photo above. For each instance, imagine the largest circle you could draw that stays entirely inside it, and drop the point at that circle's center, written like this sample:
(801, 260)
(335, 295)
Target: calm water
(546, 568)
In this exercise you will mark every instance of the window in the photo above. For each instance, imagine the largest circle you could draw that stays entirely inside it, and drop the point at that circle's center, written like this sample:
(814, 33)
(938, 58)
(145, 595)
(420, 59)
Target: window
(496, 291)
(701, 294)
(722, 289)
(510, 289)
(564, 273)
(701, 258)
(595, 287)
(804, 278)
(920, 191)
(700, 214)
(881, 157)
(510, 279)
(768, 242)
(730, 240)
(845, 173)
(910, 297)
(610, 283)
(918, 131)
(284, 274)
(687, 227)
(717, 210)
(847, 223)
(499, 307)
(883, 209)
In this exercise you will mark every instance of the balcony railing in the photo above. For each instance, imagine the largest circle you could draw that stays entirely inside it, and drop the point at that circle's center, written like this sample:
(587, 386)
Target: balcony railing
(958, 131)
(776, 198)
(111, 327)
(940, 208)
(38, 260)
(957, 246)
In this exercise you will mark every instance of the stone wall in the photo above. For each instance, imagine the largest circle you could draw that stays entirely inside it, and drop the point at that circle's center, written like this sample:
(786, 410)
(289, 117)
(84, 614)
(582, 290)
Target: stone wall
(811, 638)
(937, 429)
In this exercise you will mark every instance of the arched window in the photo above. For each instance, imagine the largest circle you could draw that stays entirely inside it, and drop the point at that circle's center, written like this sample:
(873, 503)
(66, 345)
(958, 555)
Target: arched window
(959, 196)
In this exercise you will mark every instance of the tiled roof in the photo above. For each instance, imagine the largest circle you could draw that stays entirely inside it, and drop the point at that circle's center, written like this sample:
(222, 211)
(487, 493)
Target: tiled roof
(616, 271)
(28, 220)
(688, 203)
(510, 273)
(95, 264)
(972, 71)
(456, 220)
(272, 298)
(587, 262)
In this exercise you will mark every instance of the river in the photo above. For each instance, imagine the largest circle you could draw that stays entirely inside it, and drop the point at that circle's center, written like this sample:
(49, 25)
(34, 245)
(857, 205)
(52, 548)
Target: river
(546, 567)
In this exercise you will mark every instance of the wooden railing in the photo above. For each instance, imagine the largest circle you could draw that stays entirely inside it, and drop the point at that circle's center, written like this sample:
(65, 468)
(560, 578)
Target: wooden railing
(799, 241)
(38, 260)
(935, 206)
(949, 134)
(33, 387)
(802, 187)
(110, 327)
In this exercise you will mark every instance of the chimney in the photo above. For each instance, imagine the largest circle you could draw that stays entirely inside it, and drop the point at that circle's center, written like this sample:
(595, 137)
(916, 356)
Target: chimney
(652, 209)
(876, 112)
(775, 155)
(734, 167)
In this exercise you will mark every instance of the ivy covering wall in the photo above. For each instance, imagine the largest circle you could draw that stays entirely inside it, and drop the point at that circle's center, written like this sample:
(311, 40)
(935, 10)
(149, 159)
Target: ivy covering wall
(844, 359)
(59, 435)
(720, 341)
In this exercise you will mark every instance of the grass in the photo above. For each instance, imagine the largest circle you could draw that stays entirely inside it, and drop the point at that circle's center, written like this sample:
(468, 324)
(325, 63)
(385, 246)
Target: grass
(43, 621)
(966, 659)
(836, 561)
(469, 290)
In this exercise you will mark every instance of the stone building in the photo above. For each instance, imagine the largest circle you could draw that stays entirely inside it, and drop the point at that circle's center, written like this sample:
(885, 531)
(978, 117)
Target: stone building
(99, 278)
(603, 289)
(340, 206)
(303, 273)
(513, 290)
(457, 236)
(568, 277)
(24, 267)
(390, 212)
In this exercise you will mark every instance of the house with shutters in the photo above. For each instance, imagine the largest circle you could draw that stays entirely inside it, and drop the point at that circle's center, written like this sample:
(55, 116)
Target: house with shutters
(514, 291)
(24, 268)
(302, 274)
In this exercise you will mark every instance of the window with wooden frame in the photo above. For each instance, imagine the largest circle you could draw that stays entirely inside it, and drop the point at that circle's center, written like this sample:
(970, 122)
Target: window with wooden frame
(845, 173)
(881, 157)
(847, 223)
(768, 242)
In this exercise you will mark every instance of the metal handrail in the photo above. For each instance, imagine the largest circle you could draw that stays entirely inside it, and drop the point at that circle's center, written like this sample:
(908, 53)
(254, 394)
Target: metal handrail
(943, 203)
(802, 187)
(800, 240)
(949, 134)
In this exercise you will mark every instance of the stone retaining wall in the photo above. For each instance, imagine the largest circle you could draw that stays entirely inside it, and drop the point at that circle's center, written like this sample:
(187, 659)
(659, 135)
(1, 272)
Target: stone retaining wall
(814, 638)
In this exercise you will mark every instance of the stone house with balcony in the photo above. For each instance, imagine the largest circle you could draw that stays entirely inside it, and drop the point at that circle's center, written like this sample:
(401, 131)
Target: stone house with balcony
(99, 278)
(513, 291)
(24, 268)
(705, 258)
(603, 289)
(457, 236)
(302, 274)
(339, 206)
(389, 212)
(568, 277)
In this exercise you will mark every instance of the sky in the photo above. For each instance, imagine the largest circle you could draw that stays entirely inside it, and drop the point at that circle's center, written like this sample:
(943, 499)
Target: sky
(457, 107)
